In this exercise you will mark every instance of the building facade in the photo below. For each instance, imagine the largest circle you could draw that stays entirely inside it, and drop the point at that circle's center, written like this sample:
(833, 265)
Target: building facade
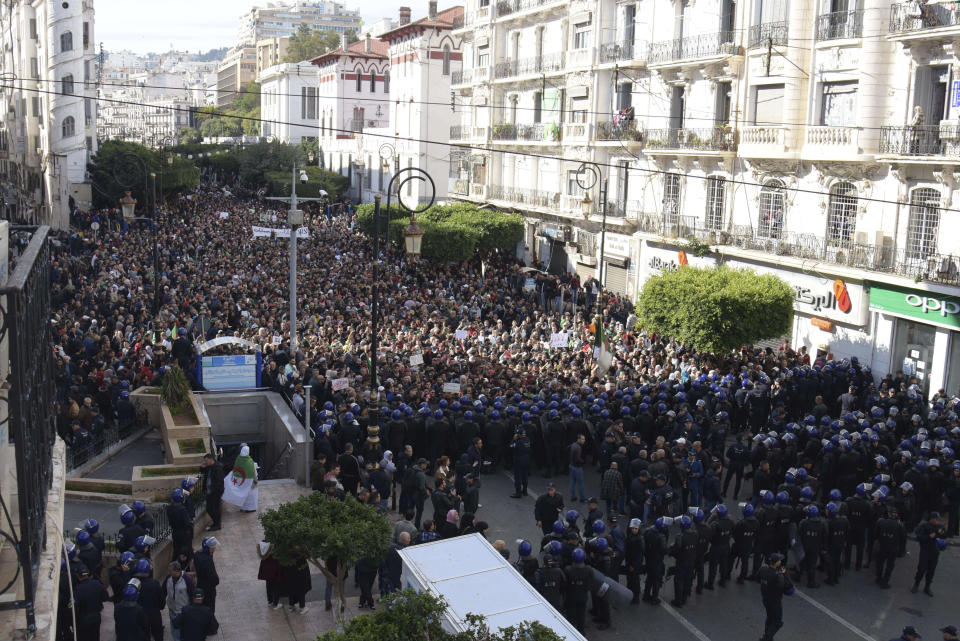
(815, 141)
(237, 69)
(49, 128)
(279, 19)
(289, 102)
(270, 52)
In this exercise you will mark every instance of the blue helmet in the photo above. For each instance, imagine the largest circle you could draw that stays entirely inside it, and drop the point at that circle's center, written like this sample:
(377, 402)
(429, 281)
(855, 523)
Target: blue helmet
(328, 406)
(209, 542)
(525, 548)
(813, 511)
(468, 415)
(556, 547)
(70, 549)
(783, 498)
(862, 489)
(91, 526)
(602, 544)
(526, 417)
(599, 527)
(807, 493)
(559, 527)
(188, 483)
(554, 414)
(579, 556)
(832, 508)
(396, 415)
(941, 544)
(766, 497)
(131, 592)
(176, 495)
(139, 508)
(698, 515)
(721, 509)
(126, 558)
(572, 516)
(660, 524)
(83, 538)
(495, 415)
(685, 522)
(128, 517)
(576, 412)
(835, 495)
(438, 414)
(143, 567)
(142, 543)
(748, 510)
(624, 411)
(348, 416)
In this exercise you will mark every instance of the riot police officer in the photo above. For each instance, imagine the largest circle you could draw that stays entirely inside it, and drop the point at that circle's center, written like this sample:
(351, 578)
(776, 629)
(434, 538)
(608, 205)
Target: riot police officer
(654, 551)
(684, 550)
(930, 535)
(891, 543)
(551, 582)
(838, 529)
(774, 584)
(745, 540)
(813, 537)
(579, 579)
(721, 528)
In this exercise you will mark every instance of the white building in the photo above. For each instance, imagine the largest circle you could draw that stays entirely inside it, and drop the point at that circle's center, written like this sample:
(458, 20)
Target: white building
(783, 134)
(423, 55)
(49, 127)
(279, 19)
(289, 103)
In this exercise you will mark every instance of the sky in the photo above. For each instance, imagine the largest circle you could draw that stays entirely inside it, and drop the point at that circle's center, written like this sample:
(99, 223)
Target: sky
(145, 26)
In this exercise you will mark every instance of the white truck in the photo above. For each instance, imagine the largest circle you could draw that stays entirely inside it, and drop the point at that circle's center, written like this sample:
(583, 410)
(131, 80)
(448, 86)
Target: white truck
(473, 578)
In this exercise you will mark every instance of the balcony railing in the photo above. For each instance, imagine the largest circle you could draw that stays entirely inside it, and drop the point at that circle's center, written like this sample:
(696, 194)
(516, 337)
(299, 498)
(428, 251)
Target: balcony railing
(460, 187)
(575, 131)
(767, 33)
(715, 139)
(762, 135)
(460, 132)
(533, 132)
(620, 52)
(912, 140)
(543, 64)
(839, 24)
(619, 129)
(837, 138)
(908, 17)
(579, 58)
(521, 196)
(462, 77)
(694, 47)
(507, 7)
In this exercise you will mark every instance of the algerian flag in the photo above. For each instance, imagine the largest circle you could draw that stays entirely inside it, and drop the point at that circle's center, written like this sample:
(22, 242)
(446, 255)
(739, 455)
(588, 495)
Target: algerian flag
(239, 483)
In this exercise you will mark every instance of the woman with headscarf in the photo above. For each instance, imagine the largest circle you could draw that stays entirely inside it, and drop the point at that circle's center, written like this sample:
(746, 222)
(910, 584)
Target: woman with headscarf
(449, 529)
(240, 487)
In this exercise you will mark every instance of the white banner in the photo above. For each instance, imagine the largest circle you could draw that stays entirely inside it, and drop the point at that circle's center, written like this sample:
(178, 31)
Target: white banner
(279, 232)
(339, 383)
(461, 335)
(416, 359)
(451, 388)
(559, 339)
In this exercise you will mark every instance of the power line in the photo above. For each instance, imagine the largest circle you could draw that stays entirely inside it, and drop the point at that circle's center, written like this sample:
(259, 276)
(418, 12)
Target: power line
(468, 147)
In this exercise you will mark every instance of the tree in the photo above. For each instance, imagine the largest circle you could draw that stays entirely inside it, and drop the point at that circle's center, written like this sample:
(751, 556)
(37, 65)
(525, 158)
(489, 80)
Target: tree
(319, 529)
(715, 310)
(113, 170)
(409, 615)
(307, 44)
(189, 135)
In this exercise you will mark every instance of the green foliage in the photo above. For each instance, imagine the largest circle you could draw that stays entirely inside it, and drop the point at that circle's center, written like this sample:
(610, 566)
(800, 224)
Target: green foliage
(113, 166)
(333, 183)
(307, 44)
(241, 117)
(697, 248)
(317, 528)
(408, 615)
(175, 389)
(715, 310)
(190, 136)
(452, 232)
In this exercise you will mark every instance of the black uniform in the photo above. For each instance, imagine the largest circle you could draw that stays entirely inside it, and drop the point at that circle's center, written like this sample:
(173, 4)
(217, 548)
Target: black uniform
(858, 509)
(152, 600)
(181, 527)
(130, 622)
(214, 484)
(654, 551)
(633, 562)
(745, 542)
(685, 552)
(813, 537)
(721, 530)
(196, 622)
(551, 582)
(768, 518)
(88, 598)
(127, 536)
(92, 558)
(891, 542)
(927, 534)
(774, 583)
(838, 531)
(207, 578)
(579, 581)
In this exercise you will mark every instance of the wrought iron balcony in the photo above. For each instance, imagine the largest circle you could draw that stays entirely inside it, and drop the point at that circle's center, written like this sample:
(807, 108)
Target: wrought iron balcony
(839, 24)
(715, 139)
(911, 140)
(521, 196)
(908, 17)
(767, 33)
(460, 132)
(620, 129)
(695, 47)
(461, 77)
(536, 132)
(525, 66)
(621, 52)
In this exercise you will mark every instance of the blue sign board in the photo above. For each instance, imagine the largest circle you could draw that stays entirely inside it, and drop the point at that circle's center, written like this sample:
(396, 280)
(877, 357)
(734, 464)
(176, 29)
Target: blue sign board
(955, 94)
(230, 372)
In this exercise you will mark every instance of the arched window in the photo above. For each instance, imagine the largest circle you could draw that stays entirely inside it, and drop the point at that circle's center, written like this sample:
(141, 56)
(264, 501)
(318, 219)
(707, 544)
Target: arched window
(66, 41)
(69, 127)
(359, 80)
(373, 81)
(446, 60)
(924, 223)
(842, 214)
(772, 205)
(66, 84)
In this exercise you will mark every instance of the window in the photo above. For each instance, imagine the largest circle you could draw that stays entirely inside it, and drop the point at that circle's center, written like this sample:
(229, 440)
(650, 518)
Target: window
(409, 182)
(624, 96)
(671, 195)
(35, 106)
(623, 184)
(767, 105)
(838, 106)
(722, 105)
(924, 223)
(66, 41)
(537, 107)
(446, 60)
(68, 127)
(87, 112)
(66, 85)
(386, 82)
(86, 72)
(573, 187)
(86, 35)
(373, 82)
(308, 103)
(842, 214)
(90, 143)
(34, 69)
(581, 35)
(772, 203)
(716, 202)
(359, 81)
(483, 56)
(33, 29)
(578, 109)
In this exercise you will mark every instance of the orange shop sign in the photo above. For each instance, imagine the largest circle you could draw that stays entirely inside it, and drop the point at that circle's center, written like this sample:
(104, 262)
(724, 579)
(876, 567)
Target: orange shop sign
(822, 323)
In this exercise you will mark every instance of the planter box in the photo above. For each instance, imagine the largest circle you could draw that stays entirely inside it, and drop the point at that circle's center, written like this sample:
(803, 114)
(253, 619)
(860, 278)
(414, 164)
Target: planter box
(156, 482)
(179, 441)
(149, 400)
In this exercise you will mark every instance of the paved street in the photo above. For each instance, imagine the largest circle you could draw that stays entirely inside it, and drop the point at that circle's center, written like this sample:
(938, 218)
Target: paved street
(856, 609)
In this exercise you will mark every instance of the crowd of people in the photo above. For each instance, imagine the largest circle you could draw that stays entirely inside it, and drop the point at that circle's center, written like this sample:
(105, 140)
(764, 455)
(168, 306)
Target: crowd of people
(830, 466)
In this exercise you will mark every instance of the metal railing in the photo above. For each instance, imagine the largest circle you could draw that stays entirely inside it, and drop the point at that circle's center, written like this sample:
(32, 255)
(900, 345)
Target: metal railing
(507, 7)
(521, 196)
(110, 435)
(461, 187)
(619, 129)
(715, 139)
(462, 77)
(907, 17)
(694, 47)
(533, 132)
(31, 423)
(621, 51)
(524, 66)
(839, 24)
(768, 33)
(911, 140)
(460, 132)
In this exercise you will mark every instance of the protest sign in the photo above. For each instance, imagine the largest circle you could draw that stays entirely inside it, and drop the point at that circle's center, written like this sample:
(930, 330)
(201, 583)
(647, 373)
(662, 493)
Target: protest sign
(416, 359)
(451, 388)
(340, 383)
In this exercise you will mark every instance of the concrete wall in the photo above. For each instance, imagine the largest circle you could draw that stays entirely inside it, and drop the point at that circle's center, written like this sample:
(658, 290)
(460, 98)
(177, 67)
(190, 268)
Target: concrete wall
(260, 416)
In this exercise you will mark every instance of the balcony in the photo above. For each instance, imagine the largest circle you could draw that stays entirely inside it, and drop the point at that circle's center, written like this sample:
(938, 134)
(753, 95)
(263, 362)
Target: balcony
(577, 58)
(478, 190)
(767, 33)
(694, 48)
(529, 66)
(462, 77)
(509, 7)
(930, 141)
(460, 187)
(622, 52)
(521, 196)
(538, 132)
(840, 143)
(672, 140)
(575, 132)
(764, 141)
(460, 132)
(839, 25)
(909, 18)
(620, 130)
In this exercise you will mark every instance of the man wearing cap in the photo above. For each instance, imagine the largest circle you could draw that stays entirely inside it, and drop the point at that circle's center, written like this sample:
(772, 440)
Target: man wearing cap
(633, 559)
(774, 583)
(930, 536)
(909, 634)
(949, 633)
(548, 508)
(88, 598)
(196, 621)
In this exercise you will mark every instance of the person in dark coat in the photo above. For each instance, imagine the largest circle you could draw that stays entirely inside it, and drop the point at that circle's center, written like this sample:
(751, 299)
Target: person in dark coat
(213, 481)
(296, 579)
(366, 573)
(207, 577)
(88, 598)
(196, 621)
(130, 621)
(774, 584)
(270, 572)
(151, 598)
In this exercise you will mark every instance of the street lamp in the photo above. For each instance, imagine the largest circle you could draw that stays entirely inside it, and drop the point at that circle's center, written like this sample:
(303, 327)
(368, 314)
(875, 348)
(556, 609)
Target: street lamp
(128, 204)
(413, 235)
(592, 170)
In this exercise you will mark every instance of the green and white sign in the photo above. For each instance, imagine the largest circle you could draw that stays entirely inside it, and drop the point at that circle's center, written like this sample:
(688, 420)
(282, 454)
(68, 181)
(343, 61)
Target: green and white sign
(928, 307)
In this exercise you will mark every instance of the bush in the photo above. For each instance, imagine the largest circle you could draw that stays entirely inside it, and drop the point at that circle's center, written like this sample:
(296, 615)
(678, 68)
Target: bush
(715, 310)
(333, 183)
(452, 232)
